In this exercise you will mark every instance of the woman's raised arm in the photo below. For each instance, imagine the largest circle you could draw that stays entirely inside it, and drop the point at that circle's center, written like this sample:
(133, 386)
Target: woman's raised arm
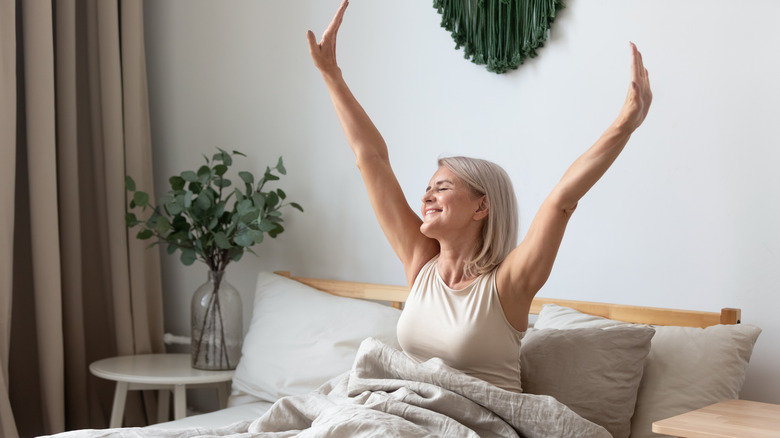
(398, 221)
(528, 266)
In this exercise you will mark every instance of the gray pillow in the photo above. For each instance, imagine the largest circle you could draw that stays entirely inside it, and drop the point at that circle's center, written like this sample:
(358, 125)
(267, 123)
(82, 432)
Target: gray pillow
(595, 372)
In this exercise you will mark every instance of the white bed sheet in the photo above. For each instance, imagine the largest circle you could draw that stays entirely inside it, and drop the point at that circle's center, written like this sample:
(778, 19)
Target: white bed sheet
(220, 418)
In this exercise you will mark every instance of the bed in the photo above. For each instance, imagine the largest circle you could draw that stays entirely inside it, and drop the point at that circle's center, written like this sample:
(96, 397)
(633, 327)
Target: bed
(596, 369)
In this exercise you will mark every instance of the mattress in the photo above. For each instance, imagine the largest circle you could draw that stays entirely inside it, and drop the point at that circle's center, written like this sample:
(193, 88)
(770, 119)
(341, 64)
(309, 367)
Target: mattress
(220, 418)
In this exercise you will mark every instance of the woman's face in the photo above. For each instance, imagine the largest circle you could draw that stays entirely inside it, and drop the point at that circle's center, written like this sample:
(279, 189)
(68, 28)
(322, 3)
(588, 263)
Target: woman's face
(449, 206)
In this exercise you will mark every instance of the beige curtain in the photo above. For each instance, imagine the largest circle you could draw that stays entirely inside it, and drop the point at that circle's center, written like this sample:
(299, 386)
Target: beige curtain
(75, 285)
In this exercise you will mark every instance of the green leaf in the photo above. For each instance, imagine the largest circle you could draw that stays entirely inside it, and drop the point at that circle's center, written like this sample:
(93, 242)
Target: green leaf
(166, 199)
(144, 234)
(296, 206)
(180, 223)
(204, 200)
(177, 183)
(196, 187)
(131, 220)
(266, 225)
(247, 177)
(280, 167)
(220, 169)
(188, 199)
(141, 199)
(256, 235)
(271, 199)
(189, 176)
(172, 247)
(239, 195)
(188, 256)
(220, 209)
(222, 241)
(151, 223)
(276, 231)
(239, 153)
(129, 184)
(250, 216)
(243, 239)
(162, 226)
(281, 193)
(222, 182)
(204, 171)
(226, 158)
(176, 206)
(213, 223)
(243, 206)
(259, 200)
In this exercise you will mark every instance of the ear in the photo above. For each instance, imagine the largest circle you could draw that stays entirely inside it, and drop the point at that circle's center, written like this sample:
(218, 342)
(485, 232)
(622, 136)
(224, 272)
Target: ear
(482, 210)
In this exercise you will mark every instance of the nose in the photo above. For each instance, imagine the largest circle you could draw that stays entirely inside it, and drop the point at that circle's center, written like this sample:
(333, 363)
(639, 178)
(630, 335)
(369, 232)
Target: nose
(427, 196)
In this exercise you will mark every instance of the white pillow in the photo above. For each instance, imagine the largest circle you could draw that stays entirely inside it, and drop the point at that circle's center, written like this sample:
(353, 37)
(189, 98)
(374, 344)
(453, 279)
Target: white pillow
(687, 368)
(301, 337)
(553, 316)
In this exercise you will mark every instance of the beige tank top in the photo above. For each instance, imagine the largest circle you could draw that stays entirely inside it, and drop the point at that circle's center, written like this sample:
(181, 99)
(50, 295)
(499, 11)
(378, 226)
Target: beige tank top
(466, 328)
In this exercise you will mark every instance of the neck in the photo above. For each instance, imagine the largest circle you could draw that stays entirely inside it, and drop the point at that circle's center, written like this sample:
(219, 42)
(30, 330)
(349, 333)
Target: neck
(451, 264)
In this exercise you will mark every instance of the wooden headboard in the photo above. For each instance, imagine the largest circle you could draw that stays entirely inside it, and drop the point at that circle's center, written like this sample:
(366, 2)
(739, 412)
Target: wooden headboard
(396, 295)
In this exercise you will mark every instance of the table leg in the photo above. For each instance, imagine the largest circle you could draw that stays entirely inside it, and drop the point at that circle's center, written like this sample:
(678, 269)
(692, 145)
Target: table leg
(163, 400)
(222, 394)
(179, 402)
(118, 410)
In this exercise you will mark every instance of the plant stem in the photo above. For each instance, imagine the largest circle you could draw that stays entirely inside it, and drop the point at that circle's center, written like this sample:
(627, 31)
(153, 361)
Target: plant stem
(211, 319)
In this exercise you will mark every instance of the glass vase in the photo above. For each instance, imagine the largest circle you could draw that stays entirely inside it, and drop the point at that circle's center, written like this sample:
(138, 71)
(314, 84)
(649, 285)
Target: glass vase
(217, 327)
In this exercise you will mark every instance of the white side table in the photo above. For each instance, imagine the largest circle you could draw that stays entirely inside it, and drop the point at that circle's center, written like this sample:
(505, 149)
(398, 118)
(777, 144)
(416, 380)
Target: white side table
(164, 372)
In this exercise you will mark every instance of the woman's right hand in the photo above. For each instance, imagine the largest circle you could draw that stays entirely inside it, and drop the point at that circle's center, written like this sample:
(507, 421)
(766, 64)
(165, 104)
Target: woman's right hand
(324, 53)
(639, 97)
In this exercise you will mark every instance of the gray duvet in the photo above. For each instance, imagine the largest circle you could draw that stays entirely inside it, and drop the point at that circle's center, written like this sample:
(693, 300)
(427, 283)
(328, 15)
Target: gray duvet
(387, 394)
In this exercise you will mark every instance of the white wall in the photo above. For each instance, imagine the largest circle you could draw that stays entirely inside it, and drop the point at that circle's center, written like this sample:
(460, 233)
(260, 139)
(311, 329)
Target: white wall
(688, 217)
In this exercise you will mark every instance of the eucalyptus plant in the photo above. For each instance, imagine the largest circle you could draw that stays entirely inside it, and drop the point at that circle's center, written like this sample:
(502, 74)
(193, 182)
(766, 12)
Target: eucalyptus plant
(196, 215)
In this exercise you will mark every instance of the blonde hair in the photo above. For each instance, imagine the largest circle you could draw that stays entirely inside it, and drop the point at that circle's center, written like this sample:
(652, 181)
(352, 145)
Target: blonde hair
(499, 233)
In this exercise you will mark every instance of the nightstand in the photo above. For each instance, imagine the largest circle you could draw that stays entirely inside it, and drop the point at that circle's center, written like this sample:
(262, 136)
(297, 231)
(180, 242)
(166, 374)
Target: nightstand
(164, 372)
(730, 418)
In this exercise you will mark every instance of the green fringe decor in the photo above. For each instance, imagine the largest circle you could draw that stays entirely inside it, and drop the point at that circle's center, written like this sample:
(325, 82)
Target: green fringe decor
(499, 34)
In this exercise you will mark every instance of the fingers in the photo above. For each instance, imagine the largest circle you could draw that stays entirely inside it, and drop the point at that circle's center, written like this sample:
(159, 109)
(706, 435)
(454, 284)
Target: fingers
(639, 74)
(640, 83)
(636, 62)
(338, 18)
(333, 27)
(312, 40)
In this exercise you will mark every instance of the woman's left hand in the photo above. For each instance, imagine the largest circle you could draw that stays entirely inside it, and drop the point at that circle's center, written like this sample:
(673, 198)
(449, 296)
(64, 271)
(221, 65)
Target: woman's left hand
(639, 96)
(324, 53)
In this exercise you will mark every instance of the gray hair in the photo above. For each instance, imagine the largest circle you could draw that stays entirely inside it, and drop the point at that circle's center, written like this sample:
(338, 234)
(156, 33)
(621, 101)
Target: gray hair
(499, 234)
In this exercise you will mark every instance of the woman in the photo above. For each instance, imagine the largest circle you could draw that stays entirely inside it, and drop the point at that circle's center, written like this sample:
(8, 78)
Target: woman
(471, 287)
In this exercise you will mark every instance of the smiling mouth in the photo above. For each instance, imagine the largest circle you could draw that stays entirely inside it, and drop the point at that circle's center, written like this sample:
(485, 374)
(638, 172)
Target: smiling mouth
(431, 211)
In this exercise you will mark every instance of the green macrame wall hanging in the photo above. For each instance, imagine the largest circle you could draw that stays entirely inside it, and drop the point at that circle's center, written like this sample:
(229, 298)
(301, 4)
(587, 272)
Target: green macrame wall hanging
(499, 34)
